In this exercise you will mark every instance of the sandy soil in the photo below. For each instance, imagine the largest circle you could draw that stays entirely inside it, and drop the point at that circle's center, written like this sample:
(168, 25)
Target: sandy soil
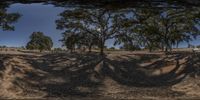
(118, 75)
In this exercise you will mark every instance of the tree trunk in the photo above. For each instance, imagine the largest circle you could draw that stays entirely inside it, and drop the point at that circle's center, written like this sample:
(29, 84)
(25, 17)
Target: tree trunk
(102, 48)
(166, 49)
(150, 49)
(74, 48)
(149, 46)
(162, 46)
(71, 50)
(90, 48)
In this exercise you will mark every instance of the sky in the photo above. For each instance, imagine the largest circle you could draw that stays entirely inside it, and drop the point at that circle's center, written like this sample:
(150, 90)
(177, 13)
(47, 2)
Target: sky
(35, 17)
(38, 17)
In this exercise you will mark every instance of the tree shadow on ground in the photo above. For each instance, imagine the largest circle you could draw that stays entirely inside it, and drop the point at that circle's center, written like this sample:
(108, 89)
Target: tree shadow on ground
(194, 64)
(131, 73)
(75, 78)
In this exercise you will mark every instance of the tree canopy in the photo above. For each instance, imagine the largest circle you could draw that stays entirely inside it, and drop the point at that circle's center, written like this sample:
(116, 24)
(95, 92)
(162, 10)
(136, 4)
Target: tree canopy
(113, 3)
(97, 25)
(151, 28)
(6, 19)
(39, 42)
(153, 24)
(160, 28)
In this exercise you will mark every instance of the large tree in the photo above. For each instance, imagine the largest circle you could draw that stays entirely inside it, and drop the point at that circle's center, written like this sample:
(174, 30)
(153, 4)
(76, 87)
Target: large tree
(162, 28)
(39, 42)
(96, 24)
(177, 25)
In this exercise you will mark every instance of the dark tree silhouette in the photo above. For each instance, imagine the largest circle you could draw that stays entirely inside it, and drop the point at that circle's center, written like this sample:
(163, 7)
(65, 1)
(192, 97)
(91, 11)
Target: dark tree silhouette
(70, 40)
(161, 28)
(97, 24)
(6, 19)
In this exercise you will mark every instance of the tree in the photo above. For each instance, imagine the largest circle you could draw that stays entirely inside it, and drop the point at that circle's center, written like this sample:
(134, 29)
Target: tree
(88, 40)
(70, 40)
(161, 28)
(138, 29)
(177, 25)
(96, 24)
(6, 19)
(112, 48)
(39, 42)
(130, 47)
(191, 46)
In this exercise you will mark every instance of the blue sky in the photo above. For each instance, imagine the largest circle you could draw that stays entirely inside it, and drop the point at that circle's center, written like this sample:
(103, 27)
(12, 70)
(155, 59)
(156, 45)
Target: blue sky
(35, 17)
(39, 17)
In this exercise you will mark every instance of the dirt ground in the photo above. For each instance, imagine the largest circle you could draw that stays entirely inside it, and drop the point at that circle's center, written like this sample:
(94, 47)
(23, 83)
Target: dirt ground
(117, 75)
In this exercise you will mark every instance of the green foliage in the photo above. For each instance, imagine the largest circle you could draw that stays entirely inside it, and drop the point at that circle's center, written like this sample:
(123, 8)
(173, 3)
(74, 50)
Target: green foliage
(130, 47)
(92, 26)
(151, 28)
(39, 42)
(6, 19)
(191, 46)
(70, 40)
(160, 28)
(3, 46)
(58, 49)
(112, 48)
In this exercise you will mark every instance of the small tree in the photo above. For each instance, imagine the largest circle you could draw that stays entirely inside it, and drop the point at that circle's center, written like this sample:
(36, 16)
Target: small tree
(112, 48)
(130, 47)
(39, 42)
